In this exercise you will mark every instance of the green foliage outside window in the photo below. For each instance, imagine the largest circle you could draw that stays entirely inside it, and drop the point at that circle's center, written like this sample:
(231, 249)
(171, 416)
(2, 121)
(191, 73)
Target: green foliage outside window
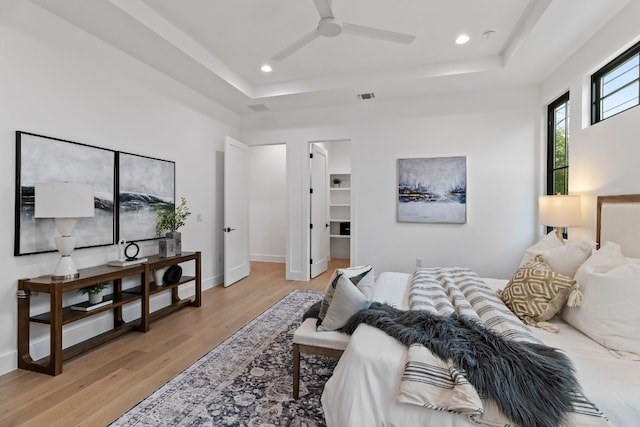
(558, 146)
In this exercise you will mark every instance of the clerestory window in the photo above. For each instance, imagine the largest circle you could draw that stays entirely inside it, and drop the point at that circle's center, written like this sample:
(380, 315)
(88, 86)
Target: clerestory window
(616, 86)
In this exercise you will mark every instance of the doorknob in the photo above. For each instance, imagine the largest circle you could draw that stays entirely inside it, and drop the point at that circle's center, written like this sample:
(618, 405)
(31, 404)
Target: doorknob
(228, 229)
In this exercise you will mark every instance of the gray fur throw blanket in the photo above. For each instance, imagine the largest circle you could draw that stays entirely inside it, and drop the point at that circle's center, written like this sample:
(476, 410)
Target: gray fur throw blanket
(532, 384)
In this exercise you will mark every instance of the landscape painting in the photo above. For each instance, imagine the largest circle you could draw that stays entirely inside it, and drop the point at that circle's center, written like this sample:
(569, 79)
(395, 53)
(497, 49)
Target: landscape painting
(432, 190)
(42, 159)
(144, 183)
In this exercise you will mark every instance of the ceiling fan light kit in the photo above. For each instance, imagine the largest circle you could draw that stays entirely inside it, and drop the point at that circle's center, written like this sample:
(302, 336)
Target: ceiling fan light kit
(330, 27)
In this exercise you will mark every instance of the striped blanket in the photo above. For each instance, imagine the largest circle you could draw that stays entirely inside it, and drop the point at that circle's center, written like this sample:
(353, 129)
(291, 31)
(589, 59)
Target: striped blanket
(435, 383)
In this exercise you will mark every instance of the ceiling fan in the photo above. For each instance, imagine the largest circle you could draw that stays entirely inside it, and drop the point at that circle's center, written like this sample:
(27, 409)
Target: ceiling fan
(330, 27)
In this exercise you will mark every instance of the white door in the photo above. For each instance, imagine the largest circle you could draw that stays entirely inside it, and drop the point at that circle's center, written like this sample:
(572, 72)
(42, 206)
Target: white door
(236, 211)
(319, 211)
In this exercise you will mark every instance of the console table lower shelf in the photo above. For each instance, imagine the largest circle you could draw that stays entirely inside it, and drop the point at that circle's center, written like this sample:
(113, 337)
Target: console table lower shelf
(59, 315)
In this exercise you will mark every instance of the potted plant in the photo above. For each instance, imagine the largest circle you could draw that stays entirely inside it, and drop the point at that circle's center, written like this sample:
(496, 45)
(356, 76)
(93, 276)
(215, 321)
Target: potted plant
(170, 219)
(95, 292)
(337, 181)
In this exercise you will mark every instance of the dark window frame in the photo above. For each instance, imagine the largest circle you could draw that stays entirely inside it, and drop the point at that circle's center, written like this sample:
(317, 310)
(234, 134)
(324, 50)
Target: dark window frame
(596, 79)
(551, 149)
(551, 144)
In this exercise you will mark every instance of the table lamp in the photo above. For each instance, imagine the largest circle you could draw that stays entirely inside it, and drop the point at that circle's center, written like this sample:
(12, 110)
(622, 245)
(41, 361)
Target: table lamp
(560, 211)
(66, 202)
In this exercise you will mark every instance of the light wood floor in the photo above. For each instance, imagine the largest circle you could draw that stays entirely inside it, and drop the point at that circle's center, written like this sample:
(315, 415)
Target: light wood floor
(98, 386)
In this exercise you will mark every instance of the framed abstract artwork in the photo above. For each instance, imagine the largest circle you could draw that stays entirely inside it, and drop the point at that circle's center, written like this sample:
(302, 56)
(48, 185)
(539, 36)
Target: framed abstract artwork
(42, 159)
(432, 190)
(143, 183)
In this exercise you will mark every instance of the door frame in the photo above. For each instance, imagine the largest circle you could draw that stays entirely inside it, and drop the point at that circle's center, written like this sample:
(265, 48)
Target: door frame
(298, 169)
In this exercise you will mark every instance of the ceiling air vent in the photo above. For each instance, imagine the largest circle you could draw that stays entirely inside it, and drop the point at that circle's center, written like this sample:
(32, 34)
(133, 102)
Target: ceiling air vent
(366, 96)
(259, 107)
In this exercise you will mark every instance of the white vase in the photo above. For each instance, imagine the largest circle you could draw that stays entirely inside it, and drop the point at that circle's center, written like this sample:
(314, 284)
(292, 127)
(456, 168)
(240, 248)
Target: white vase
(95, 298)
(158, 276)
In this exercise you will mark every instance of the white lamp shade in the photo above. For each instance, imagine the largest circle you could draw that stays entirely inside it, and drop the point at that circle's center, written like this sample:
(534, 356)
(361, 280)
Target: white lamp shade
(560, 211)
(63, 200)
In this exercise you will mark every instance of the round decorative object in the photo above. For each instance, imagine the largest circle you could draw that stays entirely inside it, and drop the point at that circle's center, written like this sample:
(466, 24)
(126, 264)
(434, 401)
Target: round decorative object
(131, 251)
(172, 275)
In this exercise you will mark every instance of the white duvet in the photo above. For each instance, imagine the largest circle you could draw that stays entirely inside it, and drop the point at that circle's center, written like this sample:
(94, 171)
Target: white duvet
(363, 388)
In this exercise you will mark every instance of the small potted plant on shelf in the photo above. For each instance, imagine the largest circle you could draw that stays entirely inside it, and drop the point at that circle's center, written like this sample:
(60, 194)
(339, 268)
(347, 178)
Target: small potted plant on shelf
(95, 292)
(337, 181)
(171, 218)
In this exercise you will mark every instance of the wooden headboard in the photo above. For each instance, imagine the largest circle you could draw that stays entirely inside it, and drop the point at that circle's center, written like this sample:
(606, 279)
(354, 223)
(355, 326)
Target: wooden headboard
(618, 221)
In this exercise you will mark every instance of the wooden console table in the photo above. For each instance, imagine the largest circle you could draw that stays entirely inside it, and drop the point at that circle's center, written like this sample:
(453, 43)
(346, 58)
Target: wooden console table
(59, 315)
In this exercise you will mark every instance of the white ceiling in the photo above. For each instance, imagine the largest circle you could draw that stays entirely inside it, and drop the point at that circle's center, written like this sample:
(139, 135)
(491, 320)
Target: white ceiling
(216, 47)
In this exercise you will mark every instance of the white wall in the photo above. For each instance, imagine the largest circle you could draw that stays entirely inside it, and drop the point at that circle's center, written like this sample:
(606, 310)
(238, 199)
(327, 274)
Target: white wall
(339, 156)
(603, 158)
(268, 202)
(57, 81)
(496, 131)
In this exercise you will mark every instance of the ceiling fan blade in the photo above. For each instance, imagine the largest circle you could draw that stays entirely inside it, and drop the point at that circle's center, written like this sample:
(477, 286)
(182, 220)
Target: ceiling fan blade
(377, 33)
(295, 46)
(324, 8)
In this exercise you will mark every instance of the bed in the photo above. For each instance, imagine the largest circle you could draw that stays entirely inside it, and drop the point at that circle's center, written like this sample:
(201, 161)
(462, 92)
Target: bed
(363, 390)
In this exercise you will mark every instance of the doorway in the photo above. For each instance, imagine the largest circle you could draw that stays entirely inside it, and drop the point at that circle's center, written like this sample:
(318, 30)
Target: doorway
(268, 203)
(338, 199)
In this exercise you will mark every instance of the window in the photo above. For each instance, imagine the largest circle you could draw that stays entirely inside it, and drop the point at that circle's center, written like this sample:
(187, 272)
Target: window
(558, 146)
(616, 86)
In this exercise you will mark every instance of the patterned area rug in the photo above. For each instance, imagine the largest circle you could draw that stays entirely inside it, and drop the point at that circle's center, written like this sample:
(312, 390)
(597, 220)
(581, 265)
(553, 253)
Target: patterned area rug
(244, 381)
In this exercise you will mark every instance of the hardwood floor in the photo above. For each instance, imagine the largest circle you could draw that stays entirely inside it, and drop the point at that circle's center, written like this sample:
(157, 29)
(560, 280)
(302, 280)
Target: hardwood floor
(98, 386)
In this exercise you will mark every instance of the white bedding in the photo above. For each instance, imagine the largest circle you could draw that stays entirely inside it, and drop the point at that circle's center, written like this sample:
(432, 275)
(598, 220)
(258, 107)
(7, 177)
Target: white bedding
(362, 390)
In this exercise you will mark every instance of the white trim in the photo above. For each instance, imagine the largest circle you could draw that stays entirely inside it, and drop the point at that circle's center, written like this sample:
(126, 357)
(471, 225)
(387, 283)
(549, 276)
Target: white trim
(268, 258)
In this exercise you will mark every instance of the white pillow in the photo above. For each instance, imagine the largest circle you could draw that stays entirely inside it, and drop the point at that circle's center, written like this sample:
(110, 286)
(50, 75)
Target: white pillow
(609, 313)
(348, 289)
(547, 242)
(562, 258)
(347, 301)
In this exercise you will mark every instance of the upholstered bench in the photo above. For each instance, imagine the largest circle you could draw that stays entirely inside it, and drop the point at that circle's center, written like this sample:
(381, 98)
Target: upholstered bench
(306, 339)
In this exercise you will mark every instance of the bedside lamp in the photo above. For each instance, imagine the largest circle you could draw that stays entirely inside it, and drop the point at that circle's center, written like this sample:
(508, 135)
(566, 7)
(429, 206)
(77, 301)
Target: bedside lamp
(560, 211)
(66, 202)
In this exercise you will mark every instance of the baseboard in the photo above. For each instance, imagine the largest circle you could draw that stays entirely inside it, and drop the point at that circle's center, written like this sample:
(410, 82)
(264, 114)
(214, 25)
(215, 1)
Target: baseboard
(268, 258)
(8, 362)
(214, 281)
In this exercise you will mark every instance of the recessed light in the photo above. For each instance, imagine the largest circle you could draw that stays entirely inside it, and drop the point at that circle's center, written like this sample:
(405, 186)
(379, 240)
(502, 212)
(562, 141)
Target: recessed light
(462, 39)
(266, 68)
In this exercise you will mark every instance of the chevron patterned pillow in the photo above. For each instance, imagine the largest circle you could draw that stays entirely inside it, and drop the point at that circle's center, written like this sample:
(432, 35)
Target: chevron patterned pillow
(536, 293)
